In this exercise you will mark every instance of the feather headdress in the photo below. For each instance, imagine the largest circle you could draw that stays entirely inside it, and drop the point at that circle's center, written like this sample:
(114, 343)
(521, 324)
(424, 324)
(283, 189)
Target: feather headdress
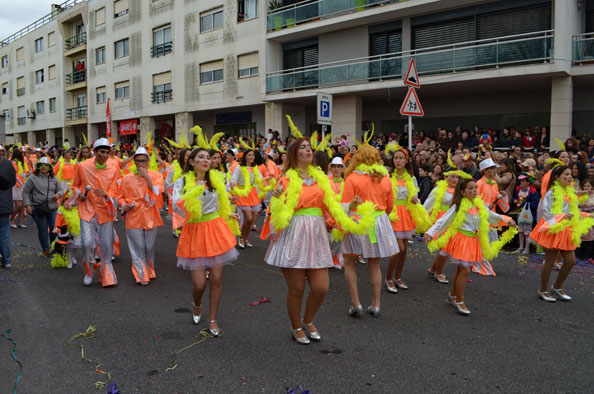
(294, 130)
(455, 170)
(367, 136)
(246, 146)
(323, 145)
(561, 146)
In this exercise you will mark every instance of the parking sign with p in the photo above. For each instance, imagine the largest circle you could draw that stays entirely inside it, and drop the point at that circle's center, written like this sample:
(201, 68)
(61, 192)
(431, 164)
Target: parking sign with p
(324, 109)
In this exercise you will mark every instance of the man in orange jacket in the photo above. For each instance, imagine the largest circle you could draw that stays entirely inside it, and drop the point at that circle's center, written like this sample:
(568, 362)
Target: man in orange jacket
(95, 187)
(138, 197)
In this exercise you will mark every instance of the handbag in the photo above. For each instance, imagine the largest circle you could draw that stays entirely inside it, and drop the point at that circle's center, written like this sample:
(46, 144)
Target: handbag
(43, 208)
(525, 216)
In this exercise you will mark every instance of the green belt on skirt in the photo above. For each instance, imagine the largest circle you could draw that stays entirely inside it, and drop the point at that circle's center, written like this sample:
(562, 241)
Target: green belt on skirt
(443, 208)
(400, 202)
(205, 218)
(371, 232)
(308, 212)
(468, 233)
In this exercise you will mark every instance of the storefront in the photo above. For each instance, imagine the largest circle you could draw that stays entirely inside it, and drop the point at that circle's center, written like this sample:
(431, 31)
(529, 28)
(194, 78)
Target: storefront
(128, 130)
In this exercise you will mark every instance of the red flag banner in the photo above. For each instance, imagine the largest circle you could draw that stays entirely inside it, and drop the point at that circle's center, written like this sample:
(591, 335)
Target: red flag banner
(108, 117)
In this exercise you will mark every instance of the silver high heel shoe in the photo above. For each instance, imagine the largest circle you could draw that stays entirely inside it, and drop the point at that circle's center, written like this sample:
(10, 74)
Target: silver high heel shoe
(391, 289)
(356, 310)
(373, 310)
(451, 299)
(458, 307)
(215, 332)
(400, 284)
(196, 318)
(314, 335)
(299, 340)
(560, 294)
(441, 278)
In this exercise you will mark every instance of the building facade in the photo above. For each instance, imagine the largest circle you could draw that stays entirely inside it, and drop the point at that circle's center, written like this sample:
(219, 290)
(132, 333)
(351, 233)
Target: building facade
(240, 66)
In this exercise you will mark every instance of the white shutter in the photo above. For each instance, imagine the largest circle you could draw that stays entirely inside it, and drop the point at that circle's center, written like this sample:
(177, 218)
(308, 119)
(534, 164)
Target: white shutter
(248, 61)
(162, 79)
(122, 84)
(20, 53)
(120, 6)
(20, 82)
(51, 39)
(216, 65)
(100, 16)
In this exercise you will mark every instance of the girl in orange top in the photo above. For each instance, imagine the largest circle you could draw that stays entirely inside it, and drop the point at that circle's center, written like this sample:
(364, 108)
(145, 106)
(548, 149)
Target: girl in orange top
(301, 249)
(368, 180)
(65, 168)
(206, 241)
(22, 171)
(250, 204)
(559, 231)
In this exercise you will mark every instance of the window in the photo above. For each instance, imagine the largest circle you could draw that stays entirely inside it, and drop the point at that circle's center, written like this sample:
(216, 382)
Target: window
(52, 104)
(122, 90)
(4, 61)
(39, 45)
(4, 88)
(211, 72)
(211, 20)
(162, 88)
(100, 55)
(21, 115)
(247, 9)
(121, 48)
(100, 17)
(51, 72)
(6, 113)
(20, 53)
(40, 107)
(120, 7)
(39, 76)
(101, 95)
(20, 86)
(248, 65)
(51, 39)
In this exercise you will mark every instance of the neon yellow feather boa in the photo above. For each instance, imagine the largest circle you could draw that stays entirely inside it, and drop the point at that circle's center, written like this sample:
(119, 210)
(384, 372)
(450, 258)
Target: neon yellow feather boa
(440, 190)
(579, 225)
(217, 179)
(282, 208)
(192, 196)
(177, 171)
(72, 219)
(246, 188)
(417, 211)
(490, 250)
(372, 170)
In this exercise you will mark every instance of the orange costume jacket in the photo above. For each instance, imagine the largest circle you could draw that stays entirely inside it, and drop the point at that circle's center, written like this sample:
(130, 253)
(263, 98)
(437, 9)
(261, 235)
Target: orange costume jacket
(88, 173)
(134, 190)
(488, 191)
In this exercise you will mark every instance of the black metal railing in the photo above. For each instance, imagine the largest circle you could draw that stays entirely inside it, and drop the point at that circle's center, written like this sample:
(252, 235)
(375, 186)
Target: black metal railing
(76, 113)
(76, 41)
(162, 96)
(76, 77)
(21, 121)
(20, 92)
(161, 49)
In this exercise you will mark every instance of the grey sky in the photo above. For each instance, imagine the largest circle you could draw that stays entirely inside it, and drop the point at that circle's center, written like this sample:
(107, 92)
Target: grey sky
(16, 14)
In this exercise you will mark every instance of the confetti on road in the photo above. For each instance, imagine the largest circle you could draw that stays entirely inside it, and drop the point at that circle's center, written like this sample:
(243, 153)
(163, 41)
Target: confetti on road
(88, 334)
(262, 300)
(13, 354)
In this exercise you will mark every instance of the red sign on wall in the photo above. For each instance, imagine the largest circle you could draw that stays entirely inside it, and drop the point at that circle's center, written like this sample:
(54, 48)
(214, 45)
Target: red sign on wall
(128, 127)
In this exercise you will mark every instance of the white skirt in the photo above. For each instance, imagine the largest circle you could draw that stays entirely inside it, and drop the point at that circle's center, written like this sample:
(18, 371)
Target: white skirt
(17, 193)
(360, 245)
(199, 263)
(303, 244)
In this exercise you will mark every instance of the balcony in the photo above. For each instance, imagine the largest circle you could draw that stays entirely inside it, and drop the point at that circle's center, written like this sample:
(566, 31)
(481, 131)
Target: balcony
(583, 49)
(75, 41)
(467, 56)
(76, 77)
(162, 96)
(308, 10)
(21, 121)
(162, 49)
(77, 113)
(20, 92)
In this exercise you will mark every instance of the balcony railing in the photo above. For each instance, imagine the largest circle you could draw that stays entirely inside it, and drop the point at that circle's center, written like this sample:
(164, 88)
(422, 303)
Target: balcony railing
(20, 92)
(76, 113)
(76, 41)
(161, 49)
(583, 48)
(308, 10)
(21, 121)
(76, 77)
(467, 56)
(162, 96)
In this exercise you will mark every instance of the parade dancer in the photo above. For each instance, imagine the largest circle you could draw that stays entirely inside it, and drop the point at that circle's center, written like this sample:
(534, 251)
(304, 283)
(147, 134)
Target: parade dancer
(559, 232)
(368, 180)
(174, 174)
(407, 217)
(206, 240)
(336, 178)
(95, 187)
(67, 228)
(138, 200)
(462, 234)
(437, 204)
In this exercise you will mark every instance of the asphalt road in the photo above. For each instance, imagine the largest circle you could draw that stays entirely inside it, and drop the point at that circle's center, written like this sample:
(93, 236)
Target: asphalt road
(511, 343)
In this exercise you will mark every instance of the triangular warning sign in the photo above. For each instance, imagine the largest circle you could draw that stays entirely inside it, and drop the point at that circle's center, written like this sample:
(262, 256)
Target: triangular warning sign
(411, 105)
(412, 77)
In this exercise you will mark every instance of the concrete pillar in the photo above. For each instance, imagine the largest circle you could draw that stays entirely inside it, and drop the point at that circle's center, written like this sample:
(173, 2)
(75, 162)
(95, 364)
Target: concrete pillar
(347, 117)
(184, 121)
(561, 107)
(568, 21)
(31, 139)
(68, 132)
(406, 34)
(146, 126)
(50, 136)
(273, 118)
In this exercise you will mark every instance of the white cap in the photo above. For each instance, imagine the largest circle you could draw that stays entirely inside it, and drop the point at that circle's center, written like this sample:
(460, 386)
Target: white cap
(43, 160)
(37, 149)
(141, 151)
(487, 163)
(101, 143)
(235, 151)
(337, 161)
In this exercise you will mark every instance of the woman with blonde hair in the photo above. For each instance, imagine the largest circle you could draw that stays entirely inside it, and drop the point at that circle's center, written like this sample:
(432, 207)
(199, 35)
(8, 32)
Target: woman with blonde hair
(368, 180)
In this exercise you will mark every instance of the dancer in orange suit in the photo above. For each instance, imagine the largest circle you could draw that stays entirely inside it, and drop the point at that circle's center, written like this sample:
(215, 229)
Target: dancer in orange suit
(95, 187)
(138, 199)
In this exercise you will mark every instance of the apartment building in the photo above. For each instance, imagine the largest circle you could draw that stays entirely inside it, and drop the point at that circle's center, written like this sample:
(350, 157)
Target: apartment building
(163, 65)
(481, 62)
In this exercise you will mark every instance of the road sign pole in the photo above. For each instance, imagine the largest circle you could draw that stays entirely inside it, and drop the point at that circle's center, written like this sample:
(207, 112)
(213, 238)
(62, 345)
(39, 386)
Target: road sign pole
(410, 133)
(324, 129)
